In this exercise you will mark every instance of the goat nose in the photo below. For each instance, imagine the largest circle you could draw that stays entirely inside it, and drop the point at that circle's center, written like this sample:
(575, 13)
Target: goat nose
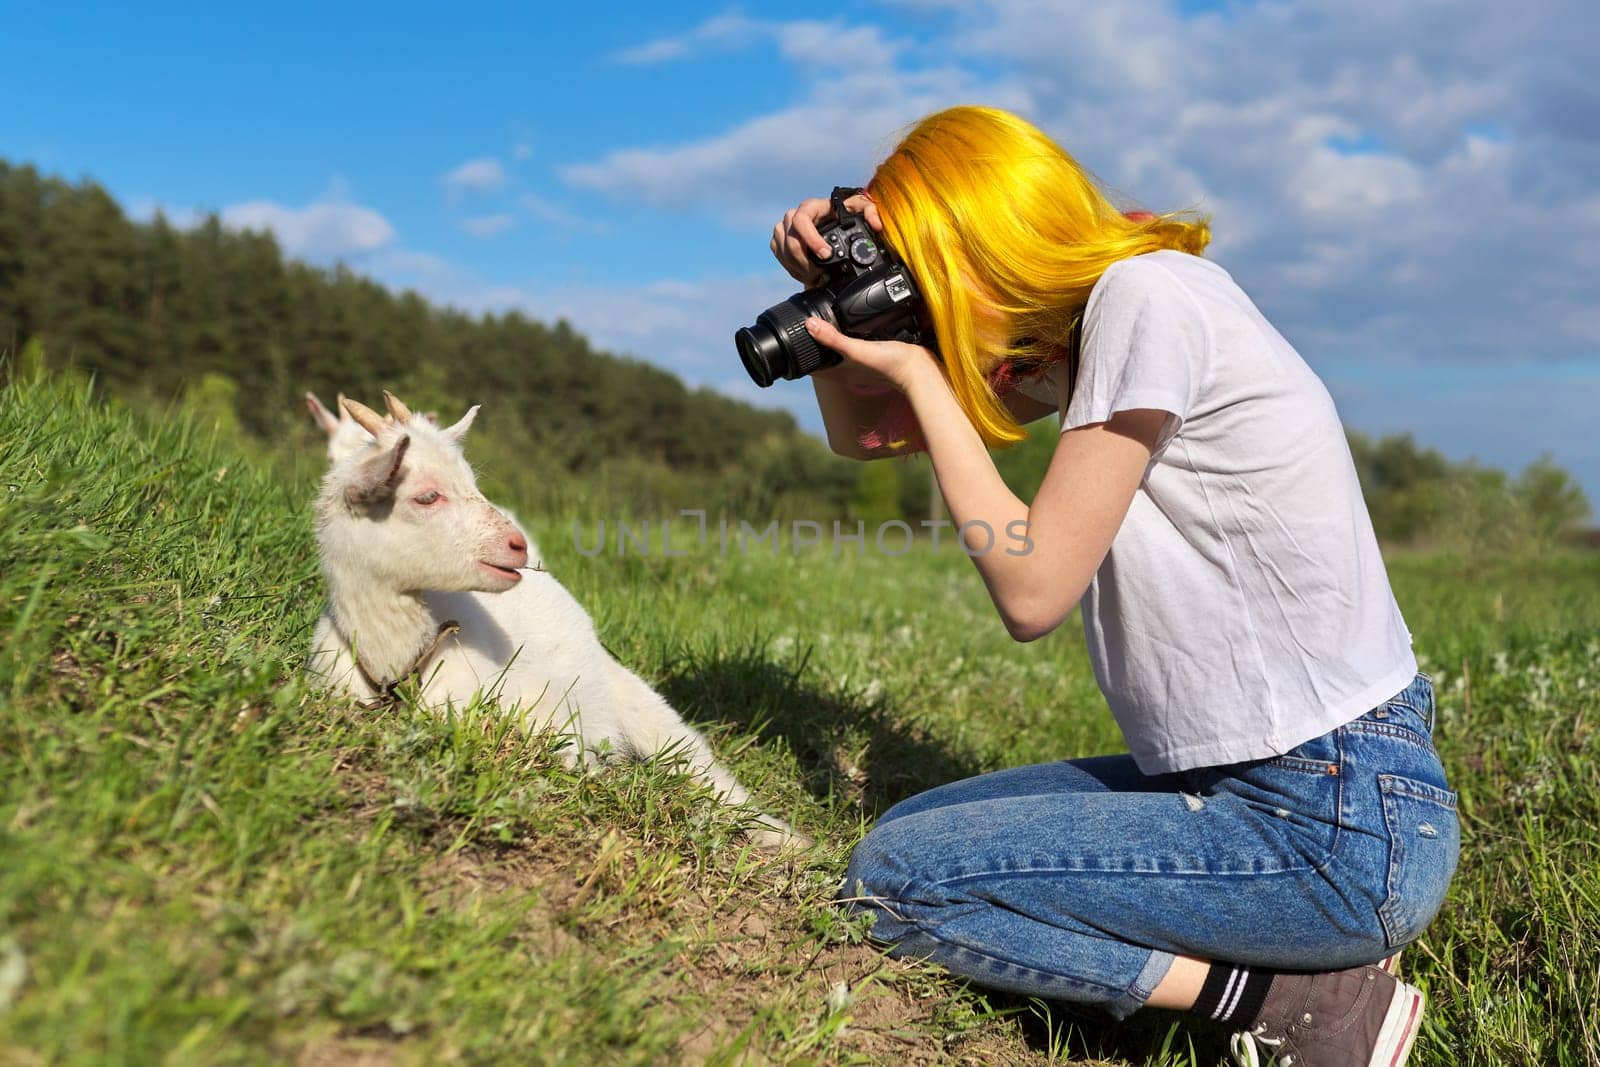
(518, 543)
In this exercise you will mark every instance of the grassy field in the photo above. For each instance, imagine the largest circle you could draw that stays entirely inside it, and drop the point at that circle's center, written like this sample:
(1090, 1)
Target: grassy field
(204, 862)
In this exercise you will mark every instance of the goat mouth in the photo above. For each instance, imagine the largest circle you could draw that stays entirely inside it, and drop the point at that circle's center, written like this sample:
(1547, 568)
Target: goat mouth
(511, 574)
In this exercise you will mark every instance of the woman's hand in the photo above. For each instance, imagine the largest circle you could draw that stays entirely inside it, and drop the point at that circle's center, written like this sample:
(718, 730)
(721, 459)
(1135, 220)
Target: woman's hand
(896, 362)
(797, 244)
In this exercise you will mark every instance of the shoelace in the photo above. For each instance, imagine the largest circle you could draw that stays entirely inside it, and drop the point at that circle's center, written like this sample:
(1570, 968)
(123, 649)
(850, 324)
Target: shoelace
(1247, 1054)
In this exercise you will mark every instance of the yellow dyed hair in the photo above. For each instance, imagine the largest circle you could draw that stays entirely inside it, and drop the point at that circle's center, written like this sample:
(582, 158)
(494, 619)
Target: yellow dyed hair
(993, 217)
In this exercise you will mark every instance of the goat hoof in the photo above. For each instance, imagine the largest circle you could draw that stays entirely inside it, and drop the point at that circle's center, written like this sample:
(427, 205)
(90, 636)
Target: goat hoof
(780, 840)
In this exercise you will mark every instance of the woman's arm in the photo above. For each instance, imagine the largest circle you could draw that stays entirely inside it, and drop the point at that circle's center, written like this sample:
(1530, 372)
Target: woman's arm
(846, 411)
(1086, 492)
(1072, 522)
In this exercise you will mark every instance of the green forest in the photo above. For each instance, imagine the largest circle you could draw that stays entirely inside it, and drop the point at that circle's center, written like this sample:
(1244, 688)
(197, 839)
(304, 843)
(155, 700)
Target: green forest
(222, 323)
(156, 313)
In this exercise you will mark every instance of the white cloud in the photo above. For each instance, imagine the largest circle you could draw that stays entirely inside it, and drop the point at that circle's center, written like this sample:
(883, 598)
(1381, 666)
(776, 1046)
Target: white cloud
(543, 210)
(1409, 244)
(859, 96)
(719, 33)
(686, 326)
(1347, 188)
(327, 229)
(436, 278)
(475, 176)
(488, 225)
(323, 230)
(830, 45)
(1410, 183)
(145, 209)
(1582, 324)
(408, 269)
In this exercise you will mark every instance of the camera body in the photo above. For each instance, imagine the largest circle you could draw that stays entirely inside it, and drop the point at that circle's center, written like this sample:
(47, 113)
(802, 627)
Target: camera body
(867, 292)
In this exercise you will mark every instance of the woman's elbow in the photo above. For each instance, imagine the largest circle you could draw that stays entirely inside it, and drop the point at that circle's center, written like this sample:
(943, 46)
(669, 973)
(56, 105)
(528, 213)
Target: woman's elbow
(1035, 613)
(1026, 627)
(842, 446)
(848, 444)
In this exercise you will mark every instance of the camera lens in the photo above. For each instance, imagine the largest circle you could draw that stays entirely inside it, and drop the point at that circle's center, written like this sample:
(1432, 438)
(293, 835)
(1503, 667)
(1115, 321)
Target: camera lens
(779, 346)
(761, 353)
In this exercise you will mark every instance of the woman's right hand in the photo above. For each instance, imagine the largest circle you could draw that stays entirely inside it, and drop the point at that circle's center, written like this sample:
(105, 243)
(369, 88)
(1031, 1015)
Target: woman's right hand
(797, 244)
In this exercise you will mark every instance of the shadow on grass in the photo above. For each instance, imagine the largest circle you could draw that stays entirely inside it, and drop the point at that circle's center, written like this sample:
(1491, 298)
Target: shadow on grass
(849, 745)
(1072, 1034)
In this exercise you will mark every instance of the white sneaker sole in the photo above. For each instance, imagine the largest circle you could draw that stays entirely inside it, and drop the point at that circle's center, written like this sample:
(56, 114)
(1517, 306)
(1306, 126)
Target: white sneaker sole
(1400, 1026)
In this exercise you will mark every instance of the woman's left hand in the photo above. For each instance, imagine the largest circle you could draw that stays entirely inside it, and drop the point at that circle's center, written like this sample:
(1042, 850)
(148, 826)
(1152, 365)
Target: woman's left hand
(900, 363)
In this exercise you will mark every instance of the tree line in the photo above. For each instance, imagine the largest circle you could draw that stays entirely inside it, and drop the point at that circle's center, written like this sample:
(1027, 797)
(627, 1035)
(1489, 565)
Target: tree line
(1417, 496)
(223, 320)
(152, 310)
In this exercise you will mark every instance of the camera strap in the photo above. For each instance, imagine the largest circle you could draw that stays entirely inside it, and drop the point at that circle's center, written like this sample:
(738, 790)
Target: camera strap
(840, 194)
(1074, 356)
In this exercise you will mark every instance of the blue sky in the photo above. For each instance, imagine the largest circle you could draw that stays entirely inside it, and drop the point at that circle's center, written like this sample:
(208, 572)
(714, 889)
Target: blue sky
(1408, 190)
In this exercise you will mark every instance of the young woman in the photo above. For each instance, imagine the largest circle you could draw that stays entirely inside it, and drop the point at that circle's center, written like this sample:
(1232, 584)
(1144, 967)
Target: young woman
(1282, 822)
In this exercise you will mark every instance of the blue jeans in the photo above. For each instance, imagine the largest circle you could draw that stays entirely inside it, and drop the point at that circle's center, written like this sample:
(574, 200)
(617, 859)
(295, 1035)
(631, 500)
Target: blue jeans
(1081, 880)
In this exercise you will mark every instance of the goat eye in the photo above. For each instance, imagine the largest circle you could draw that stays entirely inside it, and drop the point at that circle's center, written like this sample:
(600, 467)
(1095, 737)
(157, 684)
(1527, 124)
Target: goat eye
(430, 497)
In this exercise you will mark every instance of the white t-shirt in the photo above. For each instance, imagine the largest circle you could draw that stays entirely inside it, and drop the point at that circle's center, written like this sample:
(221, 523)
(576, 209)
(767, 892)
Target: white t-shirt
(1243, 607)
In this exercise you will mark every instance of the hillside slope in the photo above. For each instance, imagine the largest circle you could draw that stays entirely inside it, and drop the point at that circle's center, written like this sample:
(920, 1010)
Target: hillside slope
(205, 862)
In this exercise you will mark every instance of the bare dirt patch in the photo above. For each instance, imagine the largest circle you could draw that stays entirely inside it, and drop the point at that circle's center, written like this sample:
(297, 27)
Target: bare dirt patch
(337, 1051)
(758, 968)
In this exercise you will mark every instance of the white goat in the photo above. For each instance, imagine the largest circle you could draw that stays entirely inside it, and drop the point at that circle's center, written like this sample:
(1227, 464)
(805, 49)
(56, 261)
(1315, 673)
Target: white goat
(346, 437)
(427, 580)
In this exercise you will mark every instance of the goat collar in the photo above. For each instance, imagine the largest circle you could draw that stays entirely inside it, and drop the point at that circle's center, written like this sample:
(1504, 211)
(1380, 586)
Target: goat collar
(388, 694)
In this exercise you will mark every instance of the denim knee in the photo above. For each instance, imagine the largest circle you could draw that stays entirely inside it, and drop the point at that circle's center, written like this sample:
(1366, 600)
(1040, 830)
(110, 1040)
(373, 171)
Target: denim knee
(881, 878)
(876, 869)
(919, 914)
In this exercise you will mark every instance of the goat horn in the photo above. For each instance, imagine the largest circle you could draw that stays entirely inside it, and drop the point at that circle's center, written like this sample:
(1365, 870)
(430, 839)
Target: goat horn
(368, 419)
(401, 413)
(325, 419)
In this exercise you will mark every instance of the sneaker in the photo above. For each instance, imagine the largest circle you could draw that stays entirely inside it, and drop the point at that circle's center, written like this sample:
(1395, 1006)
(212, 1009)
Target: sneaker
(1391, 964)
(1363, 1017)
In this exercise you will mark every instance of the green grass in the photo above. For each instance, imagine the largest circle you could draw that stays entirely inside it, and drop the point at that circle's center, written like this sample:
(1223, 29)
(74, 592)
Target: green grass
(203, 861)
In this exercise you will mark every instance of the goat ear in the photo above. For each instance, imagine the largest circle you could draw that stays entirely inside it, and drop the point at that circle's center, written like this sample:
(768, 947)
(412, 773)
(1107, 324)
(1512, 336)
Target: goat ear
(375, 479)
(370, 420)
(397, 409)
(459, 430)
(325, 419)
(338, 404)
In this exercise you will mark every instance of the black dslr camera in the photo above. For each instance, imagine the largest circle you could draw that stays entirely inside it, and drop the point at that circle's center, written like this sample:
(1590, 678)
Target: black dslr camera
(867, 293)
